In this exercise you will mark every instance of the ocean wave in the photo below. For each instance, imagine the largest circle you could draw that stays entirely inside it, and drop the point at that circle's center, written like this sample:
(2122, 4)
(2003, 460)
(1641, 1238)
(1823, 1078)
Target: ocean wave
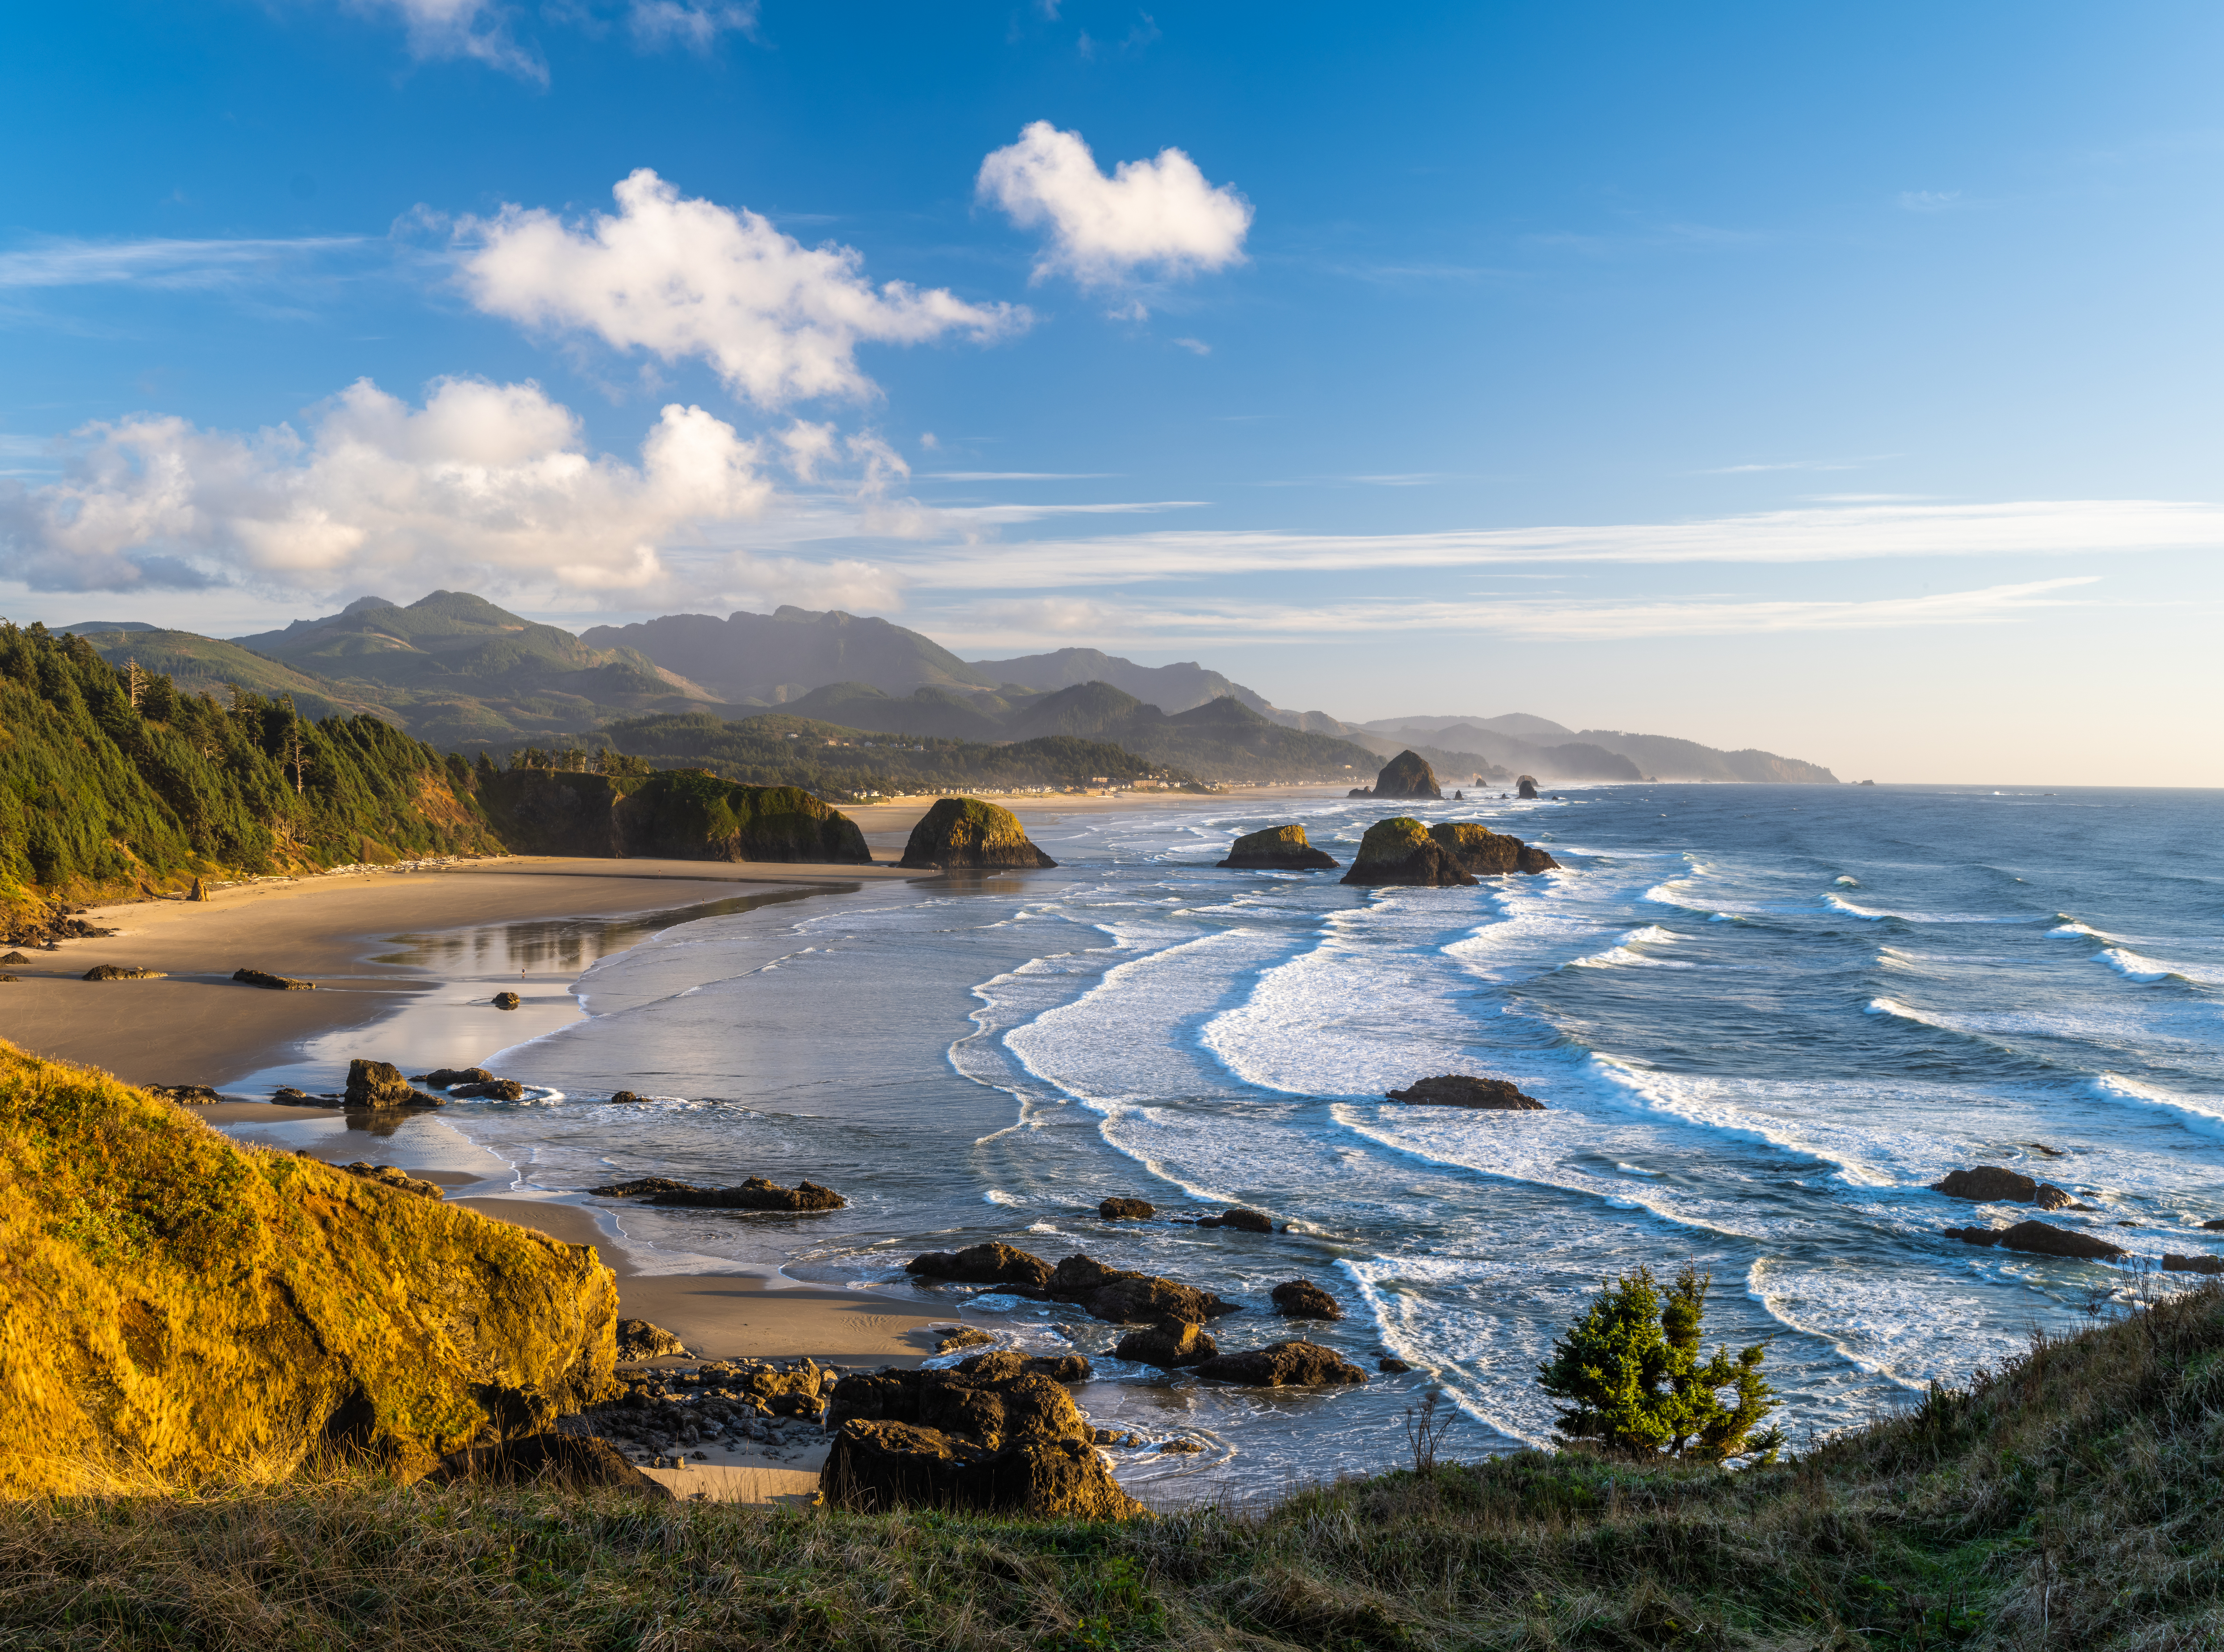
(1893, 1007)
(2203, 1114)
(2071, 928)
(2130, 964)
(1626, 951)
(1877, 914)
(1904, 1328)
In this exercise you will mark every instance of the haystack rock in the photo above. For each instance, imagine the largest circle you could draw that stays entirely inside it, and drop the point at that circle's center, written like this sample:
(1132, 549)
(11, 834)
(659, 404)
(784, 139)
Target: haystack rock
(964, 833)
(2041, 1239)
(1490, 854)
(1400, 851)
(997, 1434)
(1526, 786)
(1465, 1090)
(1991, 1184)
(376, 1084)
(1277, 848)
(1407, 775)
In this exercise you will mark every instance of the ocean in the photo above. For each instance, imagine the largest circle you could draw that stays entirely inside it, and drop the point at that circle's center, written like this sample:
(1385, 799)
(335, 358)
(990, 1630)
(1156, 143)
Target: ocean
(1762, 1018)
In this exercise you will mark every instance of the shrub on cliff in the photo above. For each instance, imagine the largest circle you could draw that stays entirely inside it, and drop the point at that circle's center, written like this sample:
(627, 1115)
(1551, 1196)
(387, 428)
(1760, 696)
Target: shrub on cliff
(174, 1306)
(1631, 1366)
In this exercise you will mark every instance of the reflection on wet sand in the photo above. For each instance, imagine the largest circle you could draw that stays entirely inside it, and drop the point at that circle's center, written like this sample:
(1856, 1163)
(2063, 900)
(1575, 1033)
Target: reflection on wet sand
(568, 945)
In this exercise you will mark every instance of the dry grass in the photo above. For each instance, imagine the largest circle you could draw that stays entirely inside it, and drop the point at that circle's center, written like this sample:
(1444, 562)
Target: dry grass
(2068, 1501)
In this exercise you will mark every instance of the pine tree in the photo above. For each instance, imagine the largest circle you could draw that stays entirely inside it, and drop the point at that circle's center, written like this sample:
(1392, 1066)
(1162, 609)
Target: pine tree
(1631, 1368)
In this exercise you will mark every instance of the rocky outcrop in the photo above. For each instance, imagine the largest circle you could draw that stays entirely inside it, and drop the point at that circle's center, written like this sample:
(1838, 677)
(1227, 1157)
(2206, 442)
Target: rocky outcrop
(1488, 853)
(755, 1194)
(1301, 1299)
(1525, 787)
(1248, 1221)
(491, 1089)
(626, 1097)
(274, 983)
(673, 814)
(181, 1307)
(1407, 775)
(507, 1001)
(1466, 1090)
(441, 1078)
(1991, 1184)
(374, 1086)
(1277, 848)
(1391, 1365)
(983, 1264)
(1283, 1365)
(954, 1337)
(1169, 1347)
(1127, 1210)
(1400, 851)
(638, 1340)
(2041, 1239)
(964, 833)
(117, 972)
(576, 1462)
(992, 1436)
(2173, 1263)
(1126, 1298)
(391, 1176)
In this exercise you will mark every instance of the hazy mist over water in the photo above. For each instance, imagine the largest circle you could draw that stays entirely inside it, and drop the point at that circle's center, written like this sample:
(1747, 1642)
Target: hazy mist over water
(1762, 1020)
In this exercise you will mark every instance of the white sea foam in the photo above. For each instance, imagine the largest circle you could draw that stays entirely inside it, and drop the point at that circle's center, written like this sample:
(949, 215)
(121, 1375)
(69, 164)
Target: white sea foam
(1907, 1328)
(2128, 963)
(1875, 915)
(2203, 1114)
(998, 1197)
(1893, 1007)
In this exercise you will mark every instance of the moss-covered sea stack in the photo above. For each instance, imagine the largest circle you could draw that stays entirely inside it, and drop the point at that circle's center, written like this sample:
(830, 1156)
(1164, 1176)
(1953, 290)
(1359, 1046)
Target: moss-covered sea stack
(1277, 848)
(173, 1306)
(1407, 775)
(1489, 853)
(1400, 851)
(963, 833)
(672, 815)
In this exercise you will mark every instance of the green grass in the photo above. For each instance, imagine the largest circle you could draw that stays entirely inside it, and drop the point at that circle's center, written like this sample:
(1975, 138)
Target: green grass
(2067, 1501)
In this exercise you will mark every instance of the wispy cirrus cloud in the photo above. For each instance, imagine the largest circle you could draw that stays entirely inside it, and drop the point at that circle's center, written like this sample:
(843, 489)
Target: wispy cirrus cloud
(171, 263)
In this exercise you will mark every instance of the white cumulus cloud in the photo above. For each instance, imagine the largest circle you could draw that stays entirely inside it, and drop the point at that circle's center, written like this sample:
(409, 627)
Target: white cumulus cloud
(484, 481)
(465, 28)
(1158, 215)
(778, 320)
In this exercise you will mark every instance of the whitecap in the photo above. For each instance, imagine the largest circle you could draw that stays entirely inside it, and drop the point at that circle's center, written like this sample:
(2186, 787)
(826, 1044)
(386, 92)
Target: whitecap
(2203, 1114)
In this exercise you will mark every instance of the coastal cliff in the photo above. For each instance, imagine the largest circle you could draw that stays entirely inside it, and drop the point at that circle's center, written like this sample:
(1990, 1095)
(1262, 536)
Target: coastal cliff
(672, 814)
(174, 1306)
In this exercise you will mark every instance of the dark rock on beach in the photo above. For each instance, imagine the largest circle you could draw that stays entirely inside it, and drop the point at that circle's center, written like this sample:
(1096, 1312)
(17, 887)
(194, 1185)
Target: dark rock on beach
(1168, 1346)
(1301, 1299)
(373, 1085)
(1991, 1184)
(1392, 1366)
(14, 958)
(1277, 848)
(1488, 853)
(1466, 1090)
(1132, 1210)
(506, 1002)
(1283, 1365)
(964, 833)
(1407, 775)
(1248, 1221)
(287, 1096)
(983, 1264)
(993, 1435)
(1123, 1297)
(274, 983)
(441, 1077)
(2173, 1263)
(639, 1339)
(755, 1193)
(117, 972)
(573, 1460)
(490, 1089)
(1399, 851)
(2041, 1239)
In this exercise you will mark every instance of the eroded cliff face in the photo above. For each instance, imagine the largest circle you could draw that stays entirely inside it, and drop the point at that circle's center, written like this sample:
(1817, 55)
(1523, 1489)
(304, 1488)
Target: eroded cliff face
(964, 832)
(674, 814)
(174, 1307)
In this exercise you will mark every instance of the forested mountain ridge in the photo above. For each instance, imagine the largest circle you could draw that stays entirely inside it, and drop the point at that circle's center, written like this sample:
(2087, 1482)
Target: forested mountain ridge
(113, 781)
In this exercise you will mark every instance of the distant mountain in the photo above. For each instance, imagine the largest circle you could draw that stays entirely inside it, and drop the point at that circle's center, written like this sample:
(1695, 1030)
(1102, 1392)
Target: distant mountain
(774, 658)
(199, 664)
(1549, 751)
(1170, 688)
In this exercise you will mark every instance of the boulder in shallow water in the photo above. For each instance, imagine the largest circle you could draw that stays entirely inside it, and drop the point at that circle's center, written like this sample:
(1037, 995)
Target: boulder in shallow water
(2173, 1263)
(1277, 848)
(983, 1264)
(441, 1077)
(490, 1089)
(1248, 1221)
(1301, 1299)
(1283, 1365)
(1525, 787)
(1488, 853)
(625, 1098)
(1407, 775)
(376, 1085)
(575, 1461)
(2040, 1239)
(964, 833)
(639, 1339)
(755, 1194)
(1992, 1184)
(1128, 1210)
(1399, 851)
(1168, 1346)
(1466, 1090)
(1123, 1297)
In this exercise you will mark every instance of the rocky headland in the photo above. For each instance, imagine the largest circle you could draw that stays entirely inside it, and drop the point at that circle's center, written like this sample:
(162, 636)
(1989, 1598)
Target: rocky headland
(960, 834)
(1276, 848)
(672, 814)
(1399, 851)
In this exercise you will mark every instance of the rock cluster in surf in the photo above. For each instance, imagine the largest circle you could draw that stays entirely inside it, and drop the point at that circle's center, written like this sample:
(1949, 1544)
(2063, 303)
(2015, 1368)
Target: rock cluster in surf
(755, 1194)
(1399, 851)
(1466, 1090)
(1992, 1184)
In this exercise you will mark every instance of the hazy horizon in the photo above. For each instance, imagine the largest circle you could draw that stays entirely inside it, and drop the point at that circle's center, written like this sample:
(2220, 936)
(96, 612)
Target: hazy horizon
(1836, 388)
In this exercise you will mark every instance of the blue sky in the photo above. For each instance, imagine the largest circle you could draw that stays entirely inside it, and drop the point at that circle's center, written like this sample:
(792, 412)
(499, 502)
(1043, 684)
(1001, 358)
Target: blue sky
(1836, 381)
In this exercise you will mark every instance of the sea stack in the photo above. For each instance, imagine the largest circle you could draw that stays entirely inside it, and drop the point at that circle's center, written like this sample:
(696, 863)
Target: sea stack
(1407, 775)
(963, 833)
(1277, 848)
(1527, 785)
(1400, 851)
(1489, 853)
